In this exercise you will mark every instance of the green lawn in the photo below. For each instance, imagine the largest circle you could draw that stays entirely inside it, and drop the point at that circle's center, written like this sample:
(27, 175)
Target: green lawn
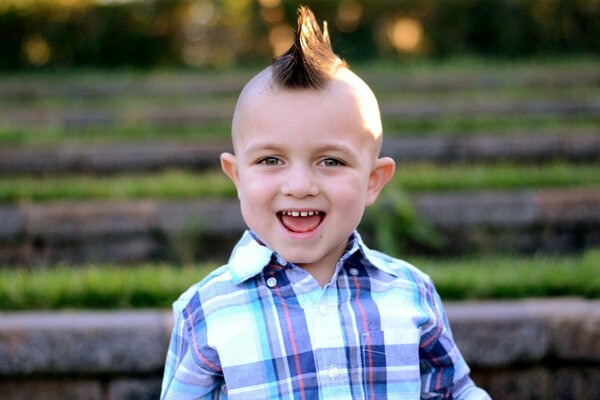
(131, 94)
(506, 277)
(411, 177)
(489, 124)
(132, 132)
(109, 286)
(220, 129)
(138, 97)
(134, 94)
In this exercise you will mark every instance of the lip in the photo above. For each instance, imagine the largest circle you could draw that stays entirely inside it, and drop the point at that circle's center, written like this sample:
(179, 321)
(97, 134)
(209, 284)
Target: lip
(301, 235)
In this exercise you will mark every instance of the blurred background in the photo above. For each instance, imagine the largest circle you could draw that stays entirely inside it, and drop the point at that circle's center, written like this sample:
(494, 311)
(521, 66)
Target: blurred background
(113, 114)
(69, 34)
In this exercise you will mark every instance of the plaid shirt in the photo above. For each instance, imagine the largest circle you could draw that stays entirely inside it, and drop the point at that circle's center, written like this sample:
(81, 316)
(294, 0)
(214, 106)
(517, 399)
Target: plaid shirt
(262, 328)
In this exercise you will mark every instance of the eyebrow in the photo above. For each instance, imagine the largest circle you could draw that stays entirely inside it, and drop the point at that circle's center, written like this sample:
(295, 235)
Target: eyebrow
(324, 148)
(337, 148)
(260, 147)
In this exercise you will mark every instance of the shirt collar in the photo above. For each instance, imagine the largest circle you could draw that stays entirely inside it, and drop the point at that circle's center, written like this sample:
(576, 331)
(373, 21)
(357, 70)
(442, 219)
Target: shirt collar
(250, 256)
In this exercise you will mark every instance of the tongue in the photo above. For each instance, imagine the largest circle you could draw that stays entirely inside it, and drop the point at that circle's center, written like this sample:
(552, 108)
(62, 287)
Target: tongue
(301, 224)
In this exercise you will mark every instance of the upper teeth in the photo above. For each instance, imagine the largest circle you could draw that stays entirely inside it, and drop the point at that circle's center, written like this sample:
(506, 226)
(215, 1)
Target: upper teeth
(300, 213)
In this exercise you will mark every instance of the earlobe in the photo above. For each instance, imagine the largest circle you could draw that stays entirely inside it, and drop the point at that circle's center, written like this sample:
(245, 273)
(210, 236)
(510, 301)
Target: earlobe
(229, 167)
(381, 174)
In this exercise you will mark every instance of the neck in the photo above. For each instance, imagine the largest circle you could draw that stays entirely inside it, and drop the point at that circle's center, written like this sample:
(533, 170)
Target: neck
(321, 273)
(323, 269)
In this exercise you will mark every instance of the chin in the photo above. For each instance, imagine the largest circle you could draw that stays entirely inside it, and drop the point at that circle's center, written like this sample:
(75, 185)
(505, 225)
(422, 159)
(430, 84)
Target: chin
(298, 260)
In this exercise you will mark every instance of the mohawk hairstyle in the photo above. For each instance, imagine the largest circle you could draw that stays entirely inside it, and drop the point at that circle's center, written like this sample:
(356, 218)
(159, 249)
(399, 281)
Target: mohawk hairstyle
(310, 62)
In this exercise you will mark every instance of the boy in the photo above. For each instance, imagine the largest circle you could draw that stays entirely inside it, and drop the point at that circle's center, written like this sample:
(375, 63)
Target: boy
(303, 309)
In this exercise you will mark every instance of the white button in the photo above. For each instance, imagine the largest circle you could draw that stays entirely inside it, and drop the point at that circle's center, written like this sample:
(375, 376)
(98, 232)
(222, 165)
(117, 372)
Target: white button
(353, 271)
(271, 282)
(334, 372)
(323, 309)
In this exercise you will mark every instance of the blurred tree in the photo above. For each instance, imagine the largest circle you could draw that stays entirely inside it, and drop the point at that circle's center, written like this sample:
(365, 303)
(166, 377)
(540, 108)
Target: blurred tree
(216, 33)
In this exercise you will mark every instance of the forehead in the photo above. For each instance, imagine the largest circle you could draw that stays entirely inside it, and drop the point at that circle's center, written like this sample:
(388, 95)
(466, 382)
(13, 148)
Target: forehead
(345, 109)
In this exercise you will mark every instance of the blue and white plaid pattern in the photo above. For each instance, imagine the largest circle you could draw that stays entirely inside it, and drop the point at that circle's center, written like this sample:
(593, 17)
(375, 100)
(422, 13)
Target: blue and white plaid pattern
(262, 328)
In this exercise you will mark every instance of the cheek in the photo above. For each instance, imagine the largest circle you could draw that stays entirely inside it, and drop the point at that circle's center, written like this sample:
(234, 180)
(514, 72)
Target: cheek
(353, 209)
(352, 187)
(256, 190)
(350, 200)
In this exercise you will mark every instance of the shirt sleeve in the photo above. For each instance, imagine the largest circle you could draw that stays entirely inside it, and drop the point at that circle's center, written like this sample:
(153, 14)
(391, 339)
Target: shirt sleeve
(444, 372)
(191, 368)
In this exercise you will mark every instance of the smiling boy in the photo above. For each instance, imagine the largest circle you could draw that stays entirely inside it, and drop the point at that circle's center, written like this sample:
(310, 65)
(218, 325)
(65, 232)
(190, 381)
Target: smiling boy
(303, 309)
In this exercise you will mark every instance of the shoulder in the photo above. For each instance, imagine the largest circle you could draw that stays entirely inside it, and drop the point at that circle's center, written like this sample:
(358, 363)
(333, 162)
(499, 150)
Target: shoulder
(400, 282)
(209, 293)
(398, 268)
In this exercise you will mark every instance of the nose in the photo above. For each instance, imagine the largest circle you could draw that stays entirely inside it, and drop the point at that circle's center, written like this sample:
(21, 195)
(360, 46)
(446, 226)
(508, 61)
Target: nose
(299, 182)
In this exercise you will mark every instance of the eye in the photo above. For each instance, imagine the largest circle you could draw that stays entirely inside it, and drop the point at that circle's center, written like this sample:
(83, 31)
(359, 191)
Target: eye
(332, 162)
(270, 161)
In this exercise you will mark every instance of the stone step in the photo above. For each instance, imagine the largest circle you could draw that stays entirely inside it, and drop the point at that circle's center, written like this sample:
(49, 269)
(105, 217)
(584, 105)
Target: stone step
(402, 109)
(120, 355)
(554, 221)
(130, 157)
(193, 115)
(113, 158)
(104, 86)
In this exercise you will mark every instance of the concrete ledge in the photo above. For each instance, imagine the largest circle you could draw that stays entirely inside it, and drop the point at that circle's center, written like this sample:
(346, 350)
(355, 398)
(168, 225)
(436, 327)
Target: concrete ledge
(120, 355)
(83, 343)
(503, 333)
(559, 220)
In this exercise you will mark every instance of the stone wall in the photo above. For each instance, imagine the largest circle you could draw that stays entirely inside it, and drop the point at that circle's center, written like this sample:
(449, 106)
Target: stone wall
(532, 349)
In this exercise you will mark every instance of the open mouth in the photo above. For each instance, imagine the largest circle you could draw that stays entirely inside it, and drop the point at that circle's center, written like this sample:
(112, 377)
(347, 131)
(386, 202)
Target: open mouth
(301, 221)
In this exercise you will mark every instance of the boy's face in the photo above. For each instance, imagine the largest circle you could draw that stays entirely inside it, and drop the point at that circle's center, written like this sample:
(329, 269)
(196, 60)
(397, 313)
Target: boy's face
(305, 165)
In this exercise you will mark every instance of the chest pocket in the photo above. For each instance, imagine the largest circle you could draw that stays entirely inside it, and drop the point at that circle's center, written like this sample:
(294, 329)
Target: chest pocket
(390, 361)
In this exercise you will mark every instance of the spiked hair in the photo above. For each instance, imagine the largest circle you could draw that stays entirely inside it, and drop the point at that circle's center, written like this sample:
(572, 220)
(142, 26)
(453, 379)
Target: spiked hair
(310, 62)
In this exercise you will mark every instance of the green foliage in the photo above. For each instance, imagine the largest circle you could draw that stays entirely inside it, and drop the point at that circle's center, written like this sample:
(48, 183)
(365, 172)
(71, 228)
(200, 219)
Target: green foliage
(153, 33)
(430, 177)
(96, 286)
(509, 277)
(394, 224)
(57, 136)
(85, 35)
(490, 124)
(164, 185)
(109, 286)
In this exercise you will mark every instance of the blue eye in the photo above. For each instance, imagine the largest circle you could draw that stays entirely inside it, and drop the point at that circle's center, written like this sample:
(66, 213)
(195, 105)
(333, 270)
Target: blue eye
(331, 162)
(270, 161)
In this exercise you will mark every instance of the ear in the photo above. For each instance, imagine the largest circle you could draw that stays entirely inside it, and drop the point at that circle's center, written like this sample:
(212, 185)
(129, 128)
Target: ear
(229, 166)
(381, 174)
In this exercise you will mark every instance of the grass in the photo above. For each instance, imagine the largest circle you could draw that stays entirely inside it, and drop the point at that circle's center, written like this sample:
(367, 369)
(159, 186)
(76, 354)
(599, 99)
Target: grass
(490, 124)
(477, 65)
(165, 185)
(412, 177)
(422, 69)
(220, 129)
(96, 286)
(490, 277)
(159, 93)
(430, 177)
(109, 286)
(57, 136)
(131, 94)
